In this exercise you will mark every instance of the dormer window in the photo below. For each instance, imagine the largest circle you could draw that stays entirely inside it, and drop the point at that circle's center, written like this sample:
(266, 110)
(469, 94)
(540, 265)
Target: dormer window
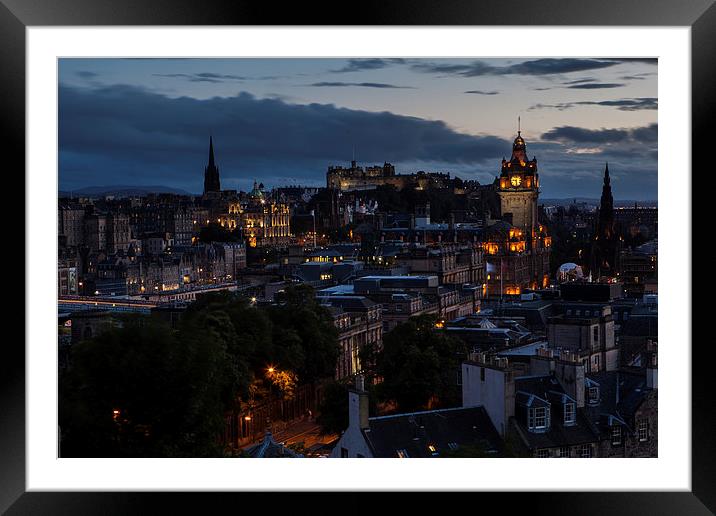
(593, 395)
(538, 419)
(570, 414)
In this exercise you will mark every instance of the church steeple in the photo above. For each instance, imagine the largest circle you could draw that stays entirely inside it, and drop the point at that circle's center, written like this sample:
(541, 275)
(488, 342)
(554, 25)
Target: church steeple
(211, 152)
(211, 172)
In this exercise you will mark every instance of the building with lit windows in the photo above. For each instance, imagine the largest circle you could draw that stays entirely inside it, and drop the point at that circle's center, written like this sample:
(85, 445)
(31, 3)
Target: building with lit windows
(263, 220)
(517, 248)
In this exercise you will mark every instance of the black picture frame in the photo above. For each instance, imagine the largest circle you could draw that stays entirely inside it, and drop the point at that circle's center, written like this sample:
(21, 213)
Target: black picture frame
(17, 15)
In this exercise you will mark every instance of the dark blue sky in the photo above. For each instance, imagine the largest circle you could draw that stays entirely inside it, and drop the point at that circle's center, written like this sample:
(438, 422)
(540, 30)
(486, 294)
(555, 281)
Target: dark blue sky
(283, 121)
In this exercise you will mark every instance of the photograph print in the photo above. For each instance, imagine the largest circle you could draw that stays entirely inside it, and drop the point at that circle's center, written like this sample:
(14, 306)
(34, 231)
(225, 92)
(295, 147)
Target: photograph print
(359, 257)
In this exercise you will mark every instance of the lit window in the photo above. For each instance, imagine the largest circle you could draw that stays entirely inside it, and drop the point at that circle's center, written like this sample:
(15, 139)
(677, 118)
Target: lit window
(585, 451)
(403, 454)
(643, 430)
(542, 454)
(570, 415)
(616, 435)
(565, 451)
(538, 418)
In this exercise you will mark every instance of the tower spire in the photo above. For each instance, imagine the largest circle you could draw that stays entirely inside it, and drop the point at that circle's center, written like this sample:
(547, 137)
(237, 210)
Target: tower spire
(519, 126)
(211, 172)
(211, 151)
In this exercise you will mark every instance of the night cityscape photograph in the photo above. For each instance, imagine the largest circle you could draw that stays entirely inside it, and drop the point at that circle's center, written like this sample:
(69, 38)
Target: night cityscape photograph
(357, 257)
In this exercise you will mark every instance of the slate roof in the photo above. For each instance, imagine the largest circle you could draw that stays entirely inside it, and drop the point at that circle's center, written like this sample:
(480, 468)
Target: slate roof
(268, 448)
(443, 429)
(558, 435)
(582, 432)
(351, 303)
(632, 393)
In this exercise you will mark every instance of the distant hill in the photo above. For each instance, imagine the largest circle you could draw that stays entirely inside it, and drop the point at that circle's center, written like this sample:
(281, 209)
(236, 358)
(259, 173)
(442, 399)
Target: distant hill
(121, 191)
(594, 202)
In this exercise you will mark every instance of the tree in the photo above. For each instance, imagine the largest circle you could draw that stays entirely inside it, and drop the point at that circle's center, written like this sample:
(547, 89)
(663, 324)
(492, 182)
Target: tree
(333, 411)
(143, 390)
(313, 333)
(419, 365)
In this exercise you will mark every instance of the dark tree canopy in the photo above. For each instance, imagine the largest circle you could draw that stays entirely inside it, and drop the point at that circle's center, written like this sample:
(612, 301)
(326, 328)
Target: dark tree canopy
(143, 389)
(333, 416)
(419, 365)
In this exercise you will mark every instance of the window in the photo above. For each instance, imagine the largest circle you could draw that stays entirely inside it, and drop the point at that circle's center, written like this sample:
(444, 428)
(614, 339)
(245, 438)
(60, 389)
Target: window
(643, 429)
(585, 451)
(564, 451)
(594, 395)
(616, 435)
(577, 313)
(596, 334)
(403, 454)
(570, 415)
(482, 374)
(542, 454)
(459, 376)
(453, 446)
(538, 418)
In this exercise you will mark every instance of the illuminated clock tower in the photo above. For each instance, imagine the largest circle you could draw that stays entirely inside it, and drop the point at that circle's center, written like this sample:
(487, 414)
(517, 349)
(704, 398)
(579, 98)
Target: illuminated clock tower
(518, 187)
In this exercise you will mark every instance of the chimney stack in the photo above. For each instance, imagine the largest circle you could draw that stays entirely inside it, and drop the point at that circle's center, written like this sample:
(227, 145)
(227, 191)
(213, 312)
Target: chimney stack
(358, 406)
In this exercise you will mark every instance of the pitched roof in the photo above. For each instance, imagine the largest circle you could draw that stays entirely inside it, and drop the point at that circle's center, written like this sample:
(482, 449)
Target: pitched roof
(413, 434)
(632, 391)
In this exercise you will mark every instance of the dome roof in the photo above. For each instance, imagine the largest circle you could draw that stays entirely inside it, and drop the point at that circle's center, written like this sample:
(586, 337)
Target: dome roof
(568, 266)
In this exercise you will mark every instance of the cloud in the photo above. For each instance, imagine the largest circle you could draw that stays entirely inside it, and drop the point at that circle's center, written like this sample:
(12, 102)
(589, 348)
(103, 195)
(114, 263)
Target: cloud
(637, 104)
(125, 134)
(596, 86)
(540, 67)
(480, 92)
(630, 60)
(327, 84)
(202, 77)
(357, 65)
(215, 77)
(85, 74)
(570, 134)
(637, 76)
(581, 81)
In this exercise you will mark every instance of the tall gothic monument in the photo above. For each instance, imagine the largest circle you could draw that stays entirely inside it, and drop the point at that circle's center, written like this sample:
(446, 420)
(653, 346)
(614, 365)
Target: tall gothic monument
(605, 246)
(211, 173)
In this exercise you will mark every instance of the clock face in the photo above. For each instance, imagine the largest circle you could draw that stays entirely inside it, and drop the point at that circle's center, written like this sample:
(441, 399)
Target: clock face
(516, 180)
